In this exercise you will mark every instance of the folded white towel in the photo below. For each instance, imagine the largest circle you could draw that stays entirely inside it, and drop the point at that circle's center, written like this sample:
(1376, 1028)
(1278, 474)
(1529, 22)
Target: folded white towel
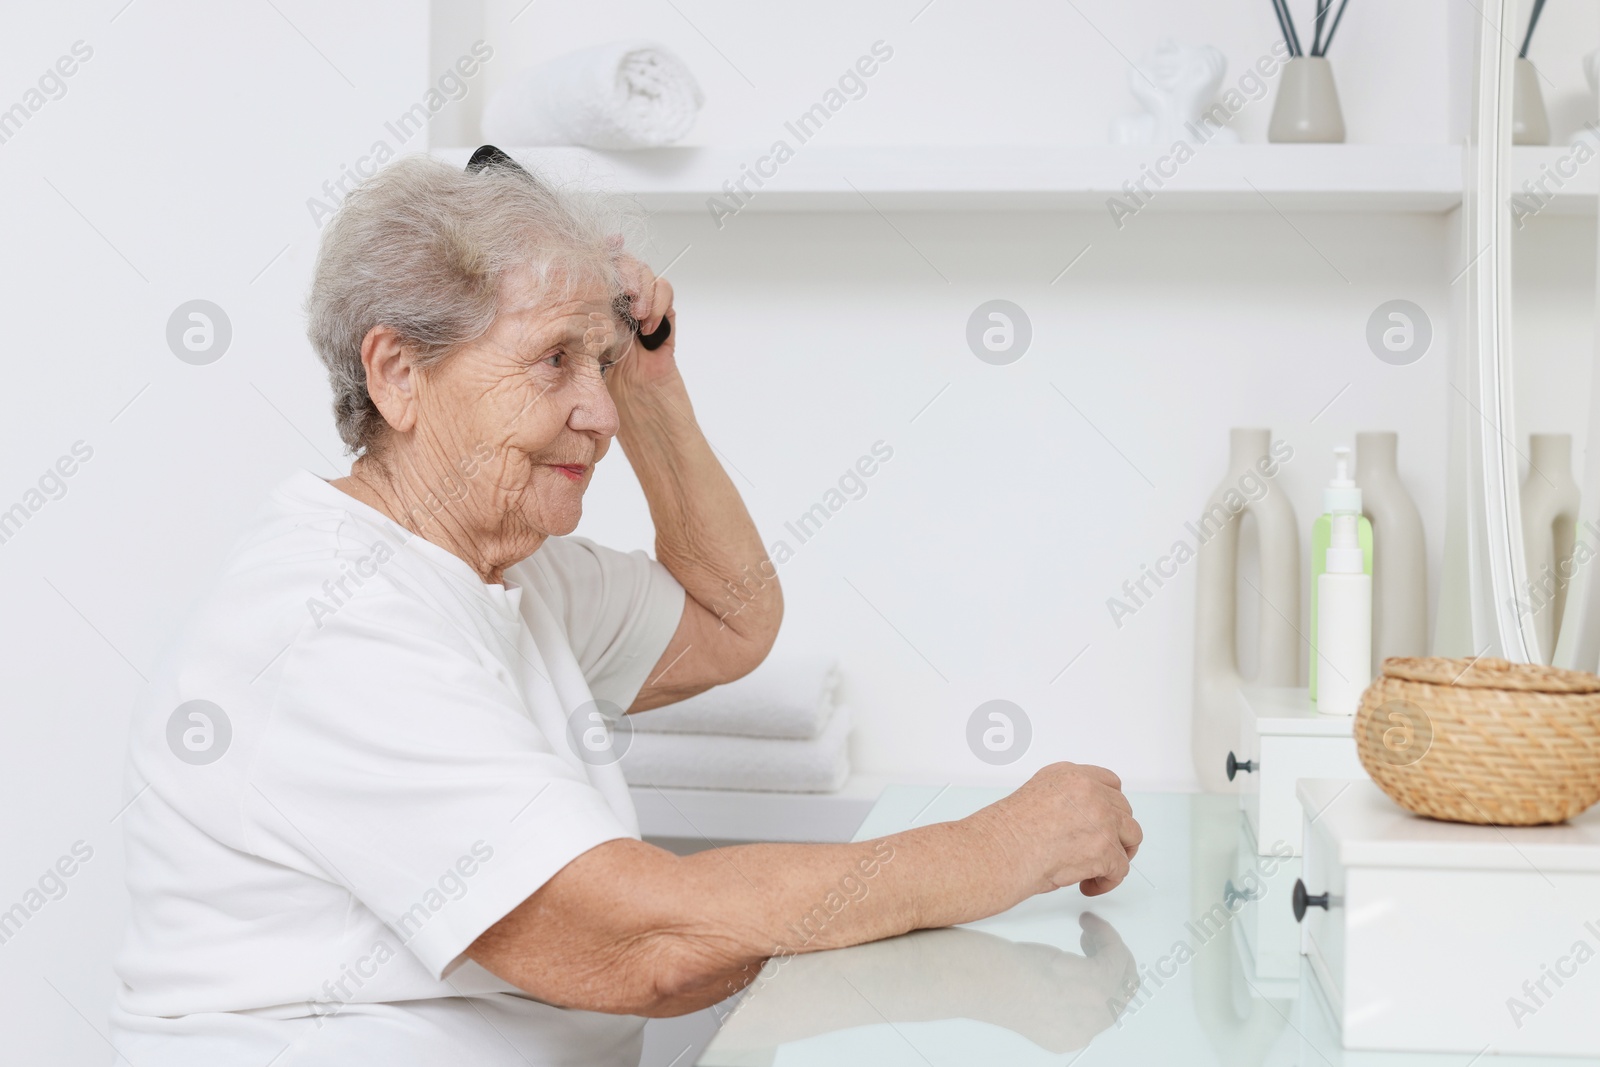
(626, 94)
(758, 764)
(788, 697)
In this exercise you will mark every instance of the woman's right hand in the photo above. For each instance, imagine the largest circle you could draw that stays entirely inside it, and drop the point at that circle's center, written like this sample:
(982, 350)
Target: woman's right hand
(1068, 825)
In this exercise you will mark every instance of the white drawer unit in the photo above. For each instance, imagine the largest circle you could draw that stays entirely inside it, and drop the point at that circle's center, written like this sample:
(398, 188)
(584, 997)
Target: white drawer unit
(1260, 889)
(1443, 937)
(1283, 738)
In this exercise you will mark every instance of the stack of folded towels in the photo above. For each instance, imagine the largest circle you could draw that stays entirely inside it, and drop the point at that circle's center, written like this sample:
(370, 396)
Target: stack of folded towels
(779, 729)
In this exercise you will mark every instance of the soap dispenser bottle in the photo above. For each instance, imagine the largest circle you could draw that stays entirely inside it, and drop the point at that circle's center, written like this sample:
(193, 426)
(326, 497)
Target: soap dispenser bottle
(1341, 497)
(1344, 619)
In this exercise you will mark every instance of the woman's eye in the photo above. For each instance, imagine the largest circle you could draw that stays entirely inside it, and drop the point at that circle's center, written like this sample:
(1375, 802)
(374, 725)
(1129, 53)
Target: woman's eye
(554, 359)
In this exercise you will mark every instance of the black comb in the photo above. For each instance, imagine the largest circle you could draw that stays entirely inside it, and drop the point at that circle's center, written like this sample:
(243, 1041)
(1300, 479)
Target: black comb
(489, 156)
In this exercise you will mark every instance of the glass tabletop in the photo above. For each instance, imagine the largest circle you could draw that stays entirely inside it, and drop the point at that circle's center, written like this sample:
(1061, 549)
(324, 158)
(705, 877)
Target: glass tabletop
(1049, 981)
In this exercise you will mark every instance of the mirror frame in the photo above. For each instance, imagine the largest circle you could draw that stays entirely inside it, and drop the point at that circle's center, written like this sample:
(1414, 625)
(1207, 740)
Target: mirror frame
(1485, 563)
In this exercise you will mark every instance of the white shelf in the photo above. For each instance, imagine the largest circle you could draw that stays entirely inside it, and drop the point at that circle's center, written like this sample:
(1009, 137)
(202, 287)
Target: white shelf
(1254, 177)
(732, 815)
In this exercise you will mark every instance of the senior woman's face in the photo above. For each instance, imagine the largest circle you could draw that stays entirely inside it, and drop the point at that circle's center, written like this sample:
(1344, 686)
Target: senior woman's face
(533, 389)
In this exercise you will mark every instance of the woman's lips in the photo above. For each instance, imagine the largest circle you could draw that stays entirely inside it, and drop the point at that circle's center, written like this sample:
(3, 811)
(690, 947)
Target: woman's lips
(575, 471)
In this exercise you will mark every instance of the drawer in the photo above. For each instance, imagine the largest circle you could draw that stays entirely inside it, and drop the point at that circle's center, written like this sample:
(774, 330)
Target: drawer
(1441, 937)
(1283, 739)
(1285, 760)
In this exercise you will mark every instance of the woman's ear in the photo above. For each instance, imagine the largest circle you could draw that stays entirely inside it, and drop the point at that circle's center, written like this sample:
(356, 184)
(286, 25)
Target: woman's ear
(391, 377)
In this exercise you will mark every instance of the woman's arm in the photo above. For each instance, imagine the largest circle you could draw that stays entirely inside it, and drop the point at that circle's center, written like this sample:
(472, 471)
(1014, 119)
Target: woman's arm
(632, 929)
(704, 535)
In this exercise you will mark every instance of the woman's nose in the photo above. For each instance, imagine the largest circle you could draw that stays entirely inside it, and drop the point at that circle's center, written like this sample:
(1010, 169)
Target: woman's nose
(593, 410)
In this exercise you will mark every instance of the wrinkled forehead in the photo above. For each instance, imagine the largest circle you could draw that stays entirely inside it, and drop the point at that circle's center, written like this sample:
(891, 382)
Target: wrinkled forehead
(579, 310)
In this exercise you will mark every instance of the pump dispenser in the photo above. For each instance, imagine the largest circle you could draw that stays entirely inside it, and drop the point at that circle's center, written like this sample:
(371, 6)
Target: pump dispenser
(1342, 493)
(1344, 619)
(1341, 497)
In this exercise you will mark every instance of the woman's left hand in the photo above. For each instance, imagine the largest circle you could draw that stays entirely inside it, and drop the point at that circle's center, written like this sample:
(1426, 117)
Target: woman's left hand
(650, 301)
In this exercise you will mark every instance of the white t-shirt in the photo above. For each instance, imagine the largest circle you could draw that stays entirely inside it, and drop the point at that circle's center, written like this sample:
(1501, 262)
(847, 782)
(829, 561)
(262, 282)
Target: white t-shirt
(388, 775)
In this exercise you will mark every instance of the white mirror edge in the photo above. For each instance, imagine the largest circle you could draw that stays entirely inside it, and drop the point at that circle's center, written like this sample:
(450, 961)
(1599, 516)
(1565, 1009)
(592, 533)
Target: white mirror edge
(1484, 564)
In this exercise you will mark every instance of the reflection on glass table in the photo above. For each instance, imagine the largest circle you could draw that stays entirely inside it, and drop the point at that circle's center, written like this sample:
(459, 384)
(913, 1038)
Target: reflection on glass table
(1057, 1000)
(1154, 972)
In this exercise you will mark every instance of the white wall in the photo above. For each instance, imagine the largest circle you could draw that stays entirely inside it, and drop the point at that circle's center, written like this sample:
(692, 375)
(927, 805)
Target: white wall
(176, 166)
(179, 163)
(1553, 274)
(1005, 520)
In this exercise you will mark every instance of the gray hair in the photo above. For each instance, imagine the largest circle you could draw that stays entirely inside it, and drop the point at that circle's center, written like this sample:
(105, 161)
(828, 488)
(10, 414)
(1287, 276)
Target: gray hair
(425, 248)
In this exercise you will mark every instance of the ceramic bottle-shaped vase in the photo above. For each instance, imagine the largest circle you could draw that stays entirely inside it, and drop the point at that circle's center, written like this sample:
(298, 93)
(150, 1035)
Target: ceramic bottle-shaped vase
(1549, 531)
(1399, 554)
(1215, 729)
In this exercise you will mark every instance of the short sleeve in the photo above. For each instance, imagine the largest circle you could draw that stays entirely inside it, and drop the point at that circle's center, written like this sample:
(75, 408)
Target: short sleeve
(401, 764)
(620, 610)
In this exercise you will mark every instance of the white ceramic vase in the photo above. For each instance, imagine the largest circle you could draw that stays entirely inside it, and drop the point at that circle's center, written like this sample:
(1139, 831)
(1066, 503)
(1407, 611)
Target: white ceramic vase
(1549, 533)
(1399, 556)
(1217, 677)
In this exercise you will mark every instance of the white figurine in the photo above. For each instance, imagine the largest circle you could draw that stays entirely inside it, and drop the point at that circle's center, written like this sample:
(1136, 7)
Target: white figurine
(1175, 83)
(1587, 133)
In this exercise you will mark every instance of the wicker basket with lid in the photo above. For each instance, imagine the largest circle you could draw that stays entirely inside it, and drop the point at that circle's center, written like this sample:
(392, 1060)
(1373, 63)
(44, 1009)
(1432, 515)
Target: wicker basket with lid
(1483, 741)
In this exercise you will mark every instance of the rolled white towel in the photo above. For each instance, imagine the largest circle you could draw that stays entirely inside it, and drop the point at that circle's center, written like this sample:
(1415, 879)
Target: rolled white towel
(787, 697)
(757, 764)
(626, 94)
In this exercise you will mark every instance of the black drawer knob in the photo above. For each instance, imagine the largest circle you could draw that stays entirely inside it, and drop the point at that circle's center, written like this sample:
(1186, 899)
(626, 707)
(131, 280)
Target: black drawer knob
(1235, 765)
(1303, 900)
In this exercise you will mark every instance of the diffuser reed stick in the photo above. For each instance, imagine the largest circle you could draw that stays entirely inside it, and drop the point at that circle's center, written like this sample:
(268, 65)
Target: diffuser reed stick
(1286, 24)
(1533, 20)
(1339, 15)
(1319, 42)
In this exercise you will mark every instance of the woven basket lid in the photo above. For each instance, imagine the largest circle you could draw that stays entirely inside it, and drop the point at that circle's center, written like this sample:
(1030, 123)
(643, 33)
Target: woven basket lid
(1490, 674)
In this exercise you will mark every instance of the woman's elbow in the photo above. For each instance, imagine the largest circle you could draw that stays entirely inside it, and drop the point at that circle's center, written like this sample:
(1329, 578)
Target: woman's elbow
(670, 975)
(656, 975)
(750, 644)
(688, 976)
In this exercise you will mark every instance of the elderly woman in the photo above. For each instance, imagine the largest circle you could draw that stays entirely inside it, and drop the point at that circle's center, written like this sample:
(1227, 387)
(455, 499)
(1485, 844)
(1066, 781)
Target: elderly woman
(372, 821)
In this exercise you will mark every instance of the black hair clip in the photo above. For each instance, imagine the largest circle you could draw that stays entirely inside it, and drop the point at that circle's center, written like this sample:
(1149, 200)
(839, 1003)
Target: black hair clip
(490, 156)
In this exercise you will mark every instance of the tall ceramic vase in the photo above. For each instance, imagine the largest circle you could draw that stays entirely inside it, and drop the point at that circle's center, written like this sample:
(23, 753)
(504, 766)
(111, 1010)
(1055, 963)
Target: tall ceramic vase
(1399, 559)
(1307, 108)
(1217, 677)
(1549, 533)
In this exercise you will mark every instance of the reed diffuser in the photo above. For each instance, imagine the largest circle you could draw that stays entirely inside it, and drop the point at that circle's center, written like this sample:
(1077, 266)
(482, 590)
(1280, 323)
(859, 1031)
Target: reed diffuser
(1307, 108)
(1530, 124)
